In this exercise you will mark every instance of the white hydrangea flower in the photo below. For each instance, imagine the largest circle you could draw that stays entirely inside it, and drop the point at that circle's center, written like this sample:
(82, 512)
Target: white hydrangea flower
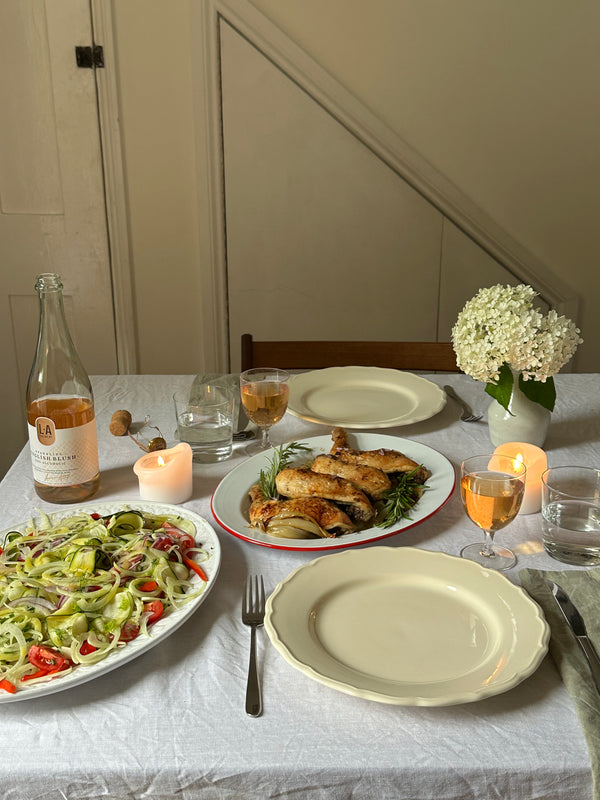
(500, 326)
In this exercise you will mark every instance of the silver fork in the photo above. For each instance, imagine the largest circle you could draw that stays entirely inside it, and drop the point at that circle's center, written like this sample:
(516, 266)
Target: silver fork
(253, 614)
(467, 415)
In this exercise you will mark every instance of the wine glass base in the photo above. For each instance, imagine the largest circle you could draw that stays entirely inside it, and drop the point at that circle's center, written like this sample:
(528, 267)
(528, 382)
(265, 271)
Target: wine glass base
(257, 447)
(501, 559)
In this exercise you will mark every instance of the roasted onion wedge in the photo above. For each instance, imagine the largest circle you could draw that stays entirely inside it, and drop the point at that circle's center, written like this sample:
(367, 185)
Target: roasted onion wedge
(319, 517)
(296, 528)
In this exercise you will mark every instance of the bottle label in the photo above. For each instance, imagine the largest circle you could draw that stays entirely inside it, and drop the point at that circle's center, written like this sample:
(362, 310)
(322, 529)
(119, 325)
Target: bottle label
(45, 430)
(63, 456)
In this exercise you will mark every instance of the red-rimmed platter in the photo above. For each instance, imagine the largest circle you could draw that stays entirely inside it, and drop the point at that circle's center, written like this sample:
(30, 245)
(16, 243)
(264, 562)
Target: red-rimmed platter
(230, 501)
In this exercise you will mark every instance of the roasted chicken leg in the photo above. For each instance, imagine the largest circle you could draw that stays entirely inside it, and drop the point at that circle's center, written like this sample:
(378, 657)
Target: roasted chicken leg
(372, 481)
(304, 482)
(268, 514)
(388, 461)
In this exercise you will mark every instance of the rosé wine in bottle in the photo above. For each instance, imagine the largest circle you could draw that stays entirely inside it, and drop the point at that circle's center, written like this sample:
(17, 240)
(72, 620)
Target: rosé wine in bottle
(60, 407)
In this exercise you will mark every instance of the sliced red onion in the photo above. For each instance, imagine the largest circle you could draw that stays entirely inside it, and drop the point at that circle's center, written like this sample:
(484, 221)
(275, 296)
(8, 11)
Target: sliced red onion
(39, 602)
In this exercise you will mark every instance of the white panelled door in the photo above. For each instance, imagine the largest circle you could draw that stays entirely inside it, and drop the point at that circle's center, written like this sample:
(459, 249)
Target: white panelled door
(324, 239)
(52, 209)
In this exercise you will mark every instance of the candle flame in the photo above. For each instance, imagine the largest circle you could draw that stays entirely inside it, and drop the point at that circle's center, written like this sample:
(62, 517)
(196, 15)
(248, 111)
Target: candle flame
(518, 460)
(161, 461)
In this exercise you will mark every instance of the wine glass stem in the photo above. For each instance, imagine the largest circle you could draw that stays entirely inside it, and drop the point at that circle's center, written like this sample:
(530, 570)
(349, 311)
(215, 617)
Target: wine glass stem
(486, 547)
(265, 442)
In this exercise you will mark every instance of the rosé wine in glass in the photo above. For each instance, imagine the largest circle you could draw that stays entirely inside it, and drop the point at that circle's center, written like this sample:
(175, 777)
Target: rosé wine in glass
(264, 393)
(491, 489)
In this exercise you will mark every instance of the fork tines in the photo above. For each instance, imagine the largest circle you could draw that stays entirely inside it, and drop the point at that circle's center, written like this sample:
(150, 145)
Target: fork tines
(253, 602)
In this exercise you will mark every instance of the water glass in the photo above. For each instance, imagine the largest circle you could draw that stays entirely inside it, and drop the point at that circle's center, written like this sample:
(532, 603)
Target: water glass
(205, 420)
(571, 514)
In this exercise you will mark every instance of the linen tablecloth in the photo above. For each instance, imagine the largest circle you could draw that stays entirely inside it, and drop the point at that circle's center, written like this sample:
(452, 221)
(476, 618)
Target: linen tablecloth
(171, 723)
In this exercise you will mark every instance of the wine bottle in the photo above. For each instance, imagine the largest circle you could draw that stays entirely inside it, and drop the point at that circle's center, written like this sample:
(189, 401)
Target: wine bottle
(60, 407)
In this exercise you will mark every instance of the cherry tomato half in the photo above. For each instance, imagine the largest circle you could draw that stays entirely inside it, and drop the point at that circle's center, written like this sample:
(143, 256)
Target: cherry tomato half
(129, 631)
(47, 659)
(155, 608)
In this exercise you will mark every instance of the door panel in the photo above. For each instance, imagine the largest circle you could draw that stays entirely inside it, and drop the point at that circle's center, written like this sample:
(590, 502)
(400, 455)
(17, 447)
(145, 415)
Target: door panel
(323, 239)
(52, 207)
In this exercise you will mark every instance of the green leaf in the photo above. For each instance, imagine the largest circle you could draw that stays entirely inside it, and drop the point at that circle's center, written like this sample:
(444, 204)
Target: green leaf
(502, 390)
(536, 391)
(542, 393)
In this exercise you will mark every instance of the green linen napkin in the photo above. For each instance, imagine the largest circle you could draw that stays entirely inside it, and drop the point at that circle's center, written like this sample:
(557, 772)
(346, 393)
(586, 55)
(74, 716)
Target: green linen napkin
(583, 587)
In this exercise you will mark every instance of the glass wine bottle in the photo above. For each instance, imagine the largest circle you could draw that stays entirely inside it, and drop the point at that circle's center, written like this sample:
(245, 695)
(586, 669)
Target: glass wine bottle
(60, 407)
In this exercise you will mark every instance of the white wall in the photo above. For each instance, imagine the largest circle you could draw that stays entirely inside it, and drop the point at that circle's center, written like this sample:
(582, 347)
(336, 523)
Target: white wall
(499, 97)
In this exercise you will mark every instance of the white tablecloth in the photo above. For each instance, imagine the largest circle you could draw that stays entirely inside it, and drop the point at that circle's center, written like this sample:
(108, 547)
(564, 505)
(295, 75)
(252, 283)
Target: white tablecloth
(171, 723)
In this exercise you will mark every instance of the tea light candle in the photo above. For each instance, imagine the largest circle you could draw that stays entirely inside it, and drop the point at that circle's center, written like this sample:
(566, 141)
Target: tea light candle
(536, 462)
(165, 476)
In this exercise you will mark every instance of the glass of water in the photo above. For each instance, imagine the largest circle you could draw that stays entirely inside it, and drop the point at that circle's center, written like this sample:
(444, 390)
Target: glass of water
(571, 514)
(205, 420)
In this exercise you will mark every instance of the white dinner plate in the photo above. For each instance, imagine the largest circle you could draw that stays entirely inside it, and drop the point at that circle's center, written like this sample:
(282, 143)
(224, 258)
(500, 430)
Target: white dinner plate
(406, 626)
(205, 536)
(230, 501)
(364, 397)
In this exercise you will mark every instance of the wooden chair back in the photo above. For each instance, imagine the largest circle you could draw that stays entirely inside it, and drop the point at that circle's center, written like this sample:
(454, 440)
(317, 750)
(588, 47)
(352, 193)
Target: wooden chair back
(412, 356)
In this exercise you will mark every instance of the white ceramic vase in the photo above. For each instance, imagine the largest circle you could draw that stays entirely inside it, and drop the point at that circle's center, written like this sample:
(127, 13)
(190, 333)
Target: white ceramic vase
(525, 421)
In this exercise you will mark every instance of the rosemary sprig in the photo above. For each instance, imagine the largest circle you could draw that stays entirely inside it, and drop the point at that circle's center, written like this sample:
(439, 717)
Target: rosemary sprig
(282, 457)
(400, 499)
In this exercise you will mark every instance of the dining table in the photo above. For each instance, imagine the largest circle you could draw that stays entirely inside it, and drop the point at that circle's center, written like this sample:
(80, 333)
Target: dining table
(171, 723)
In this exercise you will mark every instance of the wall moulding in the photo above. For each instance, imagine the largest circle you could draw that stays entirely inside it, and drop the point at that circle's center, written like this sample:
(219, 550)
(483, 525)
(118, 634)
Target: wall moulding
(350, 112)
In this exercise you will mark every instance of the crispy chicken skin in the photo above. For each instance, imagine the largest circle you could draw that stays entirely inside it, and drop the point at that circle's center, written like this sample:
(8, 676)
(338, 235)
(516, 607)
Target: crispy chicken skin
(327, 515)
(372, 481)
(306, 483)
(388, 461)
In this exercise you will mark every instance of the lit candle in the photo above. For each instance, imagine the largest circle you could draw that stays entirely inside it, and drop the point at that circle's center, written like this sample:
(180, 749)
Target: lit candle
(165, 476)
(536, 462)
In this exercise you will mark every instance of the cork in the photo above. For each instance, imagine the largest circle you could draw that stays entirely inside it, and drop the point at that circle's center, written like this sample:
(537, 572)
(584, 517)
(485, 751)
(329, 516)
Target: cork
(120, 422)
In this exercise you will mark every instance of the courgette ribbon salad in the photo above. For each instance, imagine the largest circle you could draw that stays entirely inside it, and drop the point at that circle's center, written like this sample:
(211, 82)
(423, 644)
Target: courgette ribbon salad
(73, 591)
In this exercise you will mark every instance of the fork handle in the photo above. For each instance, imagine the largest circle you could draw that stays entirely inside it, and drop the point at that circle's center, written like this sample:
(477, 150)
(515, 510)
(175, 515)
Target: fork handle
(253, 694)
(451, 393)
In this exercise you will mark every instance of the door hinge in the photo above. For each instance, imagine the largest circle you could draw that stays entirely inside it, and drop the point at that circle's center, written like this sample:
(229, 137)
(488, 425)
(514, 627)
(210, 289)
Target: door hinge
(90, 57)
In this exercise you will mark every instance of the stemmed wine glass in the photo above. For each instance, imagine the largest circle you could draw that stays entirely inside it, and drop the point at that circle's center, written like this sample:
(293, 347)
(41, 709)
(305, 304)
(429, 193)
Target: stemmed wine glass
(491, 488)
(264, 392)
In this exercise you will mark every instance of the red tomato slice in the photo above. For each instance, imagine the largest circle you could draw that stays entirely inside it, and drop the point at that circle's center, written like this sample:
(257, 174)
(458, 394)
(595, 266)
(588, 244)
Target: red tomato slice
(184, 539)
(87, 648)
(45, 658)
(155, 608)
(129, 631)
(7, 686)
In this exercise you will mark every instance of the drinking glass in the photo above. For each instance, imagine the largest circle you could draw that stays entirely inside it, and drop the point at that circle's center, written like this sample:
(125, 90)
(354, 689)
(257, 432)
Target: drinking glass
(204, 417)
(571, 514)
(264, 392)
(491, 488)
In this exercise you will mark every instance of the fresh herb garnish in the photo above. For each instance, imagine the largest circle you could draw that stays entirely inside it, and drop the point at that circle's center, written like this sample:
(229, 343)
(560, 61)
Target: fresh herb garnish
(400, 499)
(282, 457)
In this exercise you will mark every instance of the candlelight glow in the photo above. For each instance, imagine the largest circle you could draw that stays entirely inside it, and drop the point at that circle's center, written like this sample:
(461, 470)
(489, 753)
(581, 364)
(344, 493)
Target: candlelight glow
(518, 460)
(535, 462)
(161, 461)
